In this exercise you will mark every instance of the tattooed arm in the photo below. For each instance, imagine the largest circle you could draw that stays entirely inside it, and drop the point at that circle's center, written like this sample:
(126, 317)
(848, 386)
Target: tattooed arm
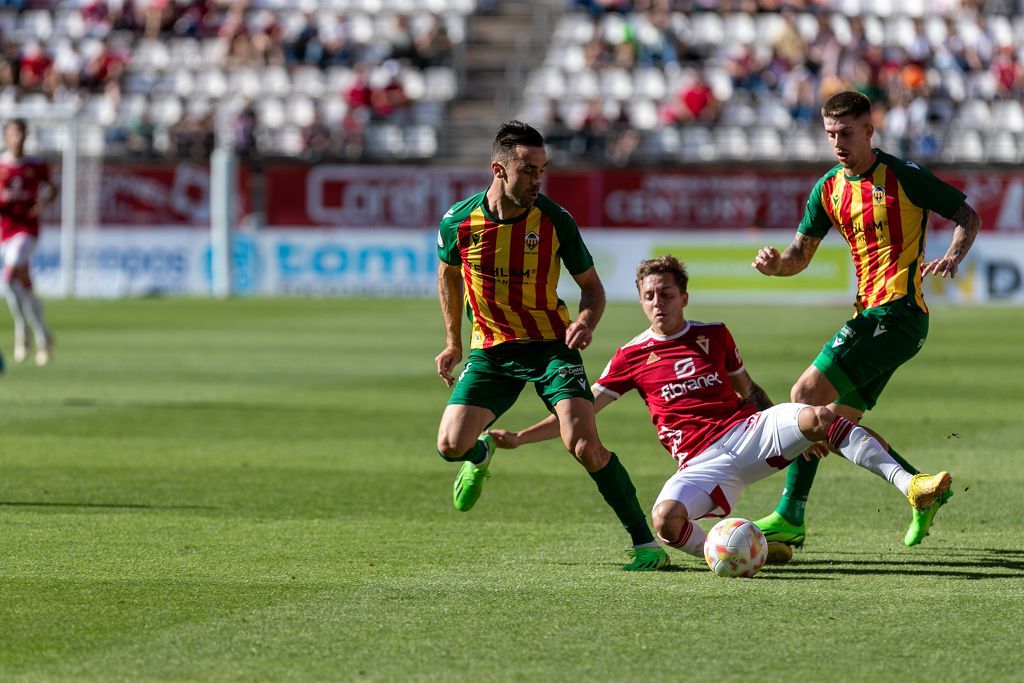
(795, 258)
(967, 224)
(749, 391)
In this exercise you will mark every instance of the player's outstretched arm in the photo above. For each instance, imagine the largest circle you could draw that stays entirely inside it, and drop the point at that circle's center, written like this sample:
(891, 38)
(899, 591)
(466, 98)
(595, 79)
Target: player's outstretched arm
(968, 222)
(544, 430)
(592, 301)
(794, 259)
(449, 292)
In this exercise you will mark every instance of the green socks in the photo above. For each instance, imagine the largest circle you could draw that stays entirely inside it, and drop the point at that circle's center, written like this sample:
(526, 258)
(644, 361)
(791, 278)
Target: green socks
(618, 491)
(799, 479)
(903, 463)
(476, 455)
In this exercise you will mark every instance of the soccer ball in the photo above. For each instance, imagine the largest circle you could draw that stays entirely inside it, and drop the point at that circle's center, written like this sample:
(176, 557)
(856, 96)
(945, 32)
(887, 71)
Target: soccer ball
(735, 547)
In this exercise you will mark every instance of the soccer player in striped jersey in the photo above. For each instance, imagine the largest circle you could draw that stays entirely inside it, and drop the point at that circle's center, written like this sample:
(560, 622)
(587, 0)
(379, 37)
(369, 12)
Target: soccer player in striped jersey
(719, 426)
(880, 205)
(501, 252)
(25, 190)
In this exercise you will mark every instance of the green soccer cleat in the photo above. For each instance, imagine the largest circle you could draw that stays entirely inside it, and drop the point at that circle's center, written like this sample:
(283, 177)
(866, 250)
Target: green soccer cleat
(646, 559)
(922, 521)
(469, 482)
(777, 530)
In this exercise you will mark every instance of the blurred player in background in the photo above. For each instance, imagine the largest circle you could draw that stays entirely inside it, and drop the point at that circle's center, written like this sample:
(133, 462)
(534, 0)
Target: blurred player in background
(25, 190)
(717, 423)
(500, 252)
(880, 205)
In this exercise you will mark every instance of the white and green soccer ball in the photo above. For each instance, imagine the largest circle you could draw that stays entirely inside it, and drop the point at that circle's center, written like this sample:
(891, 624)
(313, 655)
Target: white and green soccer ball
(735, 547)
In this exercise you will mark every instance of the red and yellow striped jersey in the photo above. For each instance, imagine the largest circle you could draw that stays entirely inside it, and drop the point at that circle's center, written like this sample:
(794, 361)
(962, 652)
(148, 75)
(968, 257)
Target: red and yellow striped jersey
(511, 268)
(883, 216)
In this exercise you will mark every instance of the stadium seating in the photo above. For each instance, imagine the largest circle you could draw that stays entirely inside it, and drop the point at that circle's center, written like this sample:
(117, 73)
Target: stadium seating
(742, 80)
(154, 74)
(695, 80)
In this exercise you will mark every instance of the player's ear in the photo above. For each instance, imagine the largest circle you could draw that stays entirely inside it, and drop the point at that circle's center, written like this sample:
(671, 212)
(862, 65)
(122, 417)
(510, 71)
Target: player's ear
(498, 170)
(686, 299)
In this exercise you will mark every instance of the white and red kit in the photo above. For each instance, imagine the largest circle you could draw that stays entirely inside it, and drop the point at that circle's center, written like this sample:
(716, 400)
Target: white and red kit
(20, 181)
(685, 381)
(722, 444)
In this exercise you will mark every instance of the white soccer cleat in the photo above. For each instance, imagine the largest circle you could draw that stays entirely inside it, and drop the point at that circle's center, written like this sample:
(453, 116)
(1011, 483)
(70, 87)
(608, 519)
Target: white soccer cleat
(20, 353)
(43, 356)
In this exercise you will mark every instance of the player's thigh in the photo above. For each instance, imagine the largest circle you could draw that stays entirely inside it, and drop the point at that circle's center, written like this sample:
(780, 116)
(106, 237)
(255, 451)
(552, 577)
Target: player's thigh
(709, 485)
(767, 441)
(487, 381)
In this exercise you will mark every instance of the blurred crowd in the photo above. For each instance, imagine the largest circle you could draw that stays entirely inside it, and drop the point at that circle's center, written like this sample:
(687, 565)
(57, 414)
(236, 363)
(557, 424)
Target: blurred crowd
(118, 49)
(919, 61)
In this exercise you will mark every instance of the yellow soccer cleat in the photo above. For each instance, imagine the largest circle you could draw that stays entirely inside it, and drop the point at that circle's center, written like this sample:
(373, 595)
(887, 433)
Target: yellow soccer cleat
(925, 489)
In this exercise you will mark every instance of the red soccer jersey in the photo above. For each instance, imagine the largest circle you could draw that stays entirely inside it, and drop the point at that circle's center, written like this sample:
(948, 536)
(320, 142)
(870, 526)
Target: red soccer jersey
(19, 191)
(685, 382)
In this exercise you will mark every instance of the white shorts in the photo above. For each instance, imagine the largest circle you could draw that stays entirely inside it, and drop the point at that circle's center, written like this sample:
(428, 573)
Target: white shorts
(711, 484)
(17, 249)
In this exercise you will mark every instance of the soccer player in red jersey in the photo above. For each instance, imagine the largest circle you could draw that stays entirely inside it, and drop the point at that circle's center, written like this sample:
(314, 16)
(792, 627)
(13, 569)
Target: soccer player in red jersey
(880, 205)
(715, 421)
(501, 251)
(25, 190)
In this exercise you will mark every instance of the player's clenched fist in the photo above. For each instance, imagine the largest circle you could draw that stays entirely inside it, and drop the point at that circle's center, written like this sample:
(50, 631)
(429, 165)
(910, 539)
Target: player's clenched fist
(767, 260)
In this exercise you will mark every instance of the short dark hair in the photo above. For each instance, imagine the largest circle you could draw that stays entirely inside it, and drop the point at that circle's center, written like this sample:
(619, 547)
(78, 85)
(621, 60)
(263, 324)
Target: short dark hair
(20, 123)
(846, 103)
(663, 265)
(510, 135)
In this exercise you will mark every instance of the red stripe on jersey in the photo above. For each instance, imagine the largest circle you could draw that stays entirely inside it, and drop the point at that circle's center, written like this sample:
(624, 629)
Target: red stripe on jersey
(867, 216)
(488, 258)
(550, 308)
(846, 223)
(892, 209)
(516, 259)
(465, 237)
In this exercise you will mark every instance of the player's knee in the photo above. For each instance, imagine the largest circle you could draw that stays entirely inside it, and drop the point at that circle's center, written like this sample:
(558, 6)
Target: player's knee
(669, 517)
(814, 422)
(449, 447)
(590, 453)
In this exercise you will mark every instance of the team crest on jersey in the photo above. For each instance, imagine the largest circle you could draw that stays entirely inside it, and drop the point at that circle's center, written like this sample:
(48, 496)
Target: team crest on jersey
(653, 358)
(475, 237)
(878, 194)
(532, 240)
(704, 343)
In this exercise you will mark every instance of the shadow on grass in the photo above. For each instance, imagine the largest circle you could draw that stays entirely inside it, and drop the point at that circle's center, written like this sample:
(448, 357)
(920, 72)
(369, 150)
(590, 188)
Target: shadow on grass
(962, 563)
(109, 506)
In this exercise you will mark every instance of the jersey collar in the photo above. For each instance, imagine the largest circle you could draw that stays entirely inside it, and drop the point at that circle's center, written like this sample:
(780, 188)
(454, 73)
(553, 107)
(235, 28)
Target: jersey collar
(871, 169)
(677, 335)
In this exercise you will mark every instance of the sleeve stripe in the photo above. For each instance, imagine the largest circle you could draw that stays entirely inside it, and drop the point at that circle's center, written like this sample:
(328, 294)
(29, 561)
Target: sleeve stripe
(597, 388)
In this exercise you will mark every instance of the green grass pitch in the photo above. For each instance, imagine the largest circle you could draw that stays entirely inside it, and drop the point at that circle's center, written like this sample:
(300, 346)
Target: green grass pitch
(240, 491)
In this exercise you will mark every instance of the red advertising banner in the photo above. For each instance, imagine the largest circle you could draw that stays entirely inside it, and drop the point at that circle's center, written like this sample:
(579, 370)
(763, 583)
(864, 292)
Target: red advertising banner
(366, 196)
(328, 196)
(717, 199)
(176, 194)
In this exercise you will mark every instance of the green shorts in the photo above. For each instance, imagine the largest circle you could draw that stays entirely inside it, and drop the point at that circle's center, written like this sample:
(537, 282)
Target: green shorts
(494, 377)
(861, 357)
